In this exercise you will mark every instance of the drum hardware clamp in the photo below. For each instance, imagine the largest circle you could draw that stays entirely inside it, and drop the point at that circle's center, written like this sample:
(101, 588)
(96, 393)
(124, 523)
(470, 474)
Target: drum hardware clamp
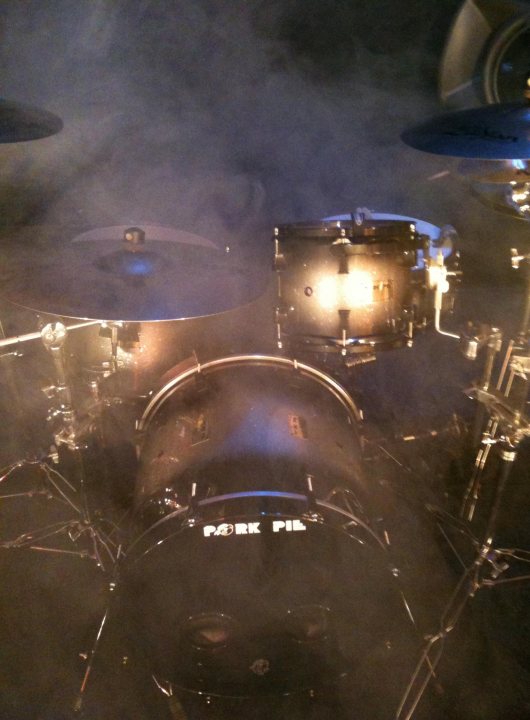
(19, 339)
(312, 507)
(193, 511)
(437, 274)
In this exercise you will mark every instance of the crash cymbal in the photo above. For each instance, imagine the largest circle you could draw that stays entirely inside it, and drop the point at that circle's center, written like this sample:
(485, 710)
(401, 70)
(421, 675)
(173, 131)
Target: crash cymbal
(491, 132)
(96, 275)
(495, 172)
(19, 122)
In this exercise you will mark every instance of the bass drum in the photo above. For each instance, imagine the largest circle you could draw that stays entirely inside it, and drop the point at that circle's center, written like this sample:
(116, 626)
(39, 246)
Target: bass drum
(258, 566)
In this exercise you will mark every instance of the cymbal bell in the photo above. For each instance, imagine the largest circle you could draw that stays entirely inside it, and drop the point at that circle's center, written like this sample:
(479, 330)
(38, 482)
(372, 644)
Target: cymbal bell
(20, 122)
(173, 275)
(491, 132)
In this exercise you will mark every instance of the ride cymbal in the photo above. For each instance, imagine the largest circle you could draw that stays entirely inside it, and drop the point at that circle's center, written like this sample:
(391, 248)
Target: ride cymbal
(173, 275)
(492, 132)
(20, 122)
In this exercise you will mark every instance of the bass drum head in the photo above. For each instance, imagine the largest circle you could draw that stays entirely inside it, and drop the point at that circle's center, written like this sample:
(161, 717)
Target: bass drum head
(263, 604)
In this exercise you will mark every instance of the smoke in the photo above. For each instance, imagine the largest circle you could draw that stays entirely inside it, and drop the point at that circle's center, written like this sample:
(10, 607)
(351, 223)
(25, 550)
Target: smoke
(227, 120)
(216, 120)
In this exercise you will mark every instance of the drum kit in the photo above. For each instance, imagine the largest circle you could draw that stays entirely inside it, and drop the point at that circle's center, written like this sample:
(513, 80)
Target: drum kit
(253, 552)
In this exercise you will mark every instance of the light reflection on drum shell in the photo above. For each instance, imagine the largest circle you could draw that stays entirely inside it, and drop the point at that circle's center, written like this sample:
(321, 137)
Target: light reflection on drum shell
(347, 285)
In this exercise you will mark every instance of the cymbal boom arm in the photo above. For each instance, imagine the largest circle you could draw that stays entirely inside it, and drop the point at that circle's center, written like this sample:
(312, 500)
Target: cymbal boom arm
(19, 339)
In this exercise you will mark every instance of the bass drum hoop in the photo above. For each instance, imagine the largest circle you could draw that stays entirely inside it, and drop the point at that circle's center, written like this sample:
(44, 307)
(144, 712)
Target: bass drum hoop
(323, 508)
(202, 369)
(163, 530)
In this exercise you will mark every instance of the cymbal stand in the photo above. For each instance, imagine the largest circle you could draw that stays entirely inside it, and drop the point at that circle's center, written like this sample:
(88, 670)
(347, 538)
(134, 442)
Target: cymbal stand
(485, 571)
(71, 433)
(53, 337)
(507, 426)
(20, 339)
(505, 404)
(74, 536)
(14, 349)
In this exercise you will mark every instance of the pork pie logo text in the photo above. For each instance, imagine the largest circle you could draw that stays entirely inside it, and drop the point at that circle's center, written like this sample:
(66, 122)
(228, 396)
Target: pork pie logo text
(251, 528)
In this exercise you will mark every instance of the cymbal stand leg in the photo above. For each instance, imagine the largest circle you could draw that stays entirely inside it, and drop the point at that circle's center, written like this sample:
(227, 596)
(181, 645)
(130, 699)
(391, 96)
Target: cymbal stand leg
(472, 492)
(469, 583)
(493, 347)
(483, 437)
(508, 455)
(92, 655)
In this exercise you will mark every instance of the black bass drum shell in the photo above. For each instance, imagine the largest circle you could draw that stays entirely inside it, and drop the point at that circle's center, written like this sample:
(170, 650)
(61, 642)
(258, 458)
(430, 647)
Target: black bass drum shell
(257, 568)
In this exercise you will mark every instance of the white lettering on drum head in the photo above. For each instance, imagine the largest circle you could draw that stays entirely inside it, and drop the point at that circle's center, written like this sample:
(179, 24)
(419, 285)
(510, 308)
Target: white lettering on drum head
(252, 528)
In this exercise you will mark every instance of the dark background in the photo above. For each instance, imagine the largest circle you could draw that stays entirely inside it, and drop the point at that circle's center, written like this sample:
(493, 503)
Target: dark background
(226, 118)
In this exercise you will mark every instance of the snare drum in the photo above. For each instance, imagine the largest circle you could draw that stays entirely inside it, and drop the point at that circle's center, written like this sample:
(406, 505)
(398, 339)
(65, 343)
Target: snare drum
(349, 285)
(257, 567)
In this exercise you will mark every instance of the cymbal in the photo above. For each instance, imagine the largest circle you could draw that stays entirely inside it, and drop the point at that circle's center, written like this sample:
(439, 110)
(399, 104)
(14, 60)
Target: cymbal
(491, 132)
(20, 122)
(172, 276)
(495, 172)
(495, 197)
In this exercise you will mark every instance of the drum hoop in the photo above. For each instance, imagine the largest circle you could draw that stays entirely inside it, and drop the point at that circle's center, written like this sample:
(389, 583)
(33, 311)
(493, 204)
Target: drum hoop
(404, 223)
(259, 493)
(307, 370)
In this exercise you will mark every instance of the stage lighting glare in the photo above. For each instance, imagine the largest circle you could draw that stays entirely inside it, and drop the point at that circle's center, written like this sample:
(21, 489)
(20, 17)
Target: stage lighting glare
(346, 291)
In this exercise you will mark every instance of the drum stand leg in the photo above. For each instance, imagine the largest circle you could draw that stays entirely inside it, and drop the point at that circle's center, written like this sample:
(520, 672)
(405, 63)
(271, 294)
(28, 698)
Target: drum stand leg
(485, 570)
(506, 427)
(95, 646)
(88, 539)
(70, 432)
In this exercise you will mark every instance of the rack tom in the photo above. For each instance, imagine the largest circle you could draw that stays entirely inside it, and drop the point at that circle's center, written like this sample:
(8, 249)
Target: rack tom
(349, 285)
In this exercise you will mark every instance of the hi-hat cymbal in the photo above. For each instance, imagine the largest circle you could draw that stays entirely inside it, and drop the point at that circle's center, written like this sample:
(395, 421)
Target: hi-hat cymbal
(173, 275)
(495, 172)
(491, 132)
(20, 122)
(496, 197)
